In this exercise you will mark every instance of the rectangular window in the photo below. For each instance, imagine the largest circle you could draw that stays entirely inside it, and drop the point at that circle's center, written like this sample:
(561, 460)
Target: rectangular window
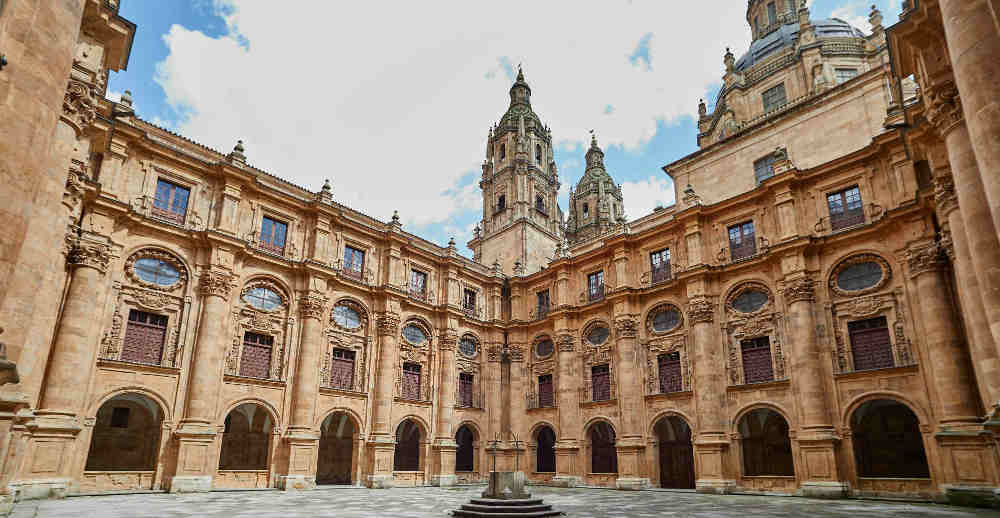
(742, 243)
(546, 397)
(354, 262)
(600, 378)
(870, 344)
(543, 303)
(342, 369)
(119, 416)
(170, 201)
(774, 98)
(763, 168)
(757, 366)
(595, 285)
(466, 390)
(501, 202)
(272, 235)
(772, 14)
(144, 337)
(411, 381)
(469, 302)
(846, 209)
(845, 74)
(256, 359)
(418, 284)
(670, 372)
(659, 264)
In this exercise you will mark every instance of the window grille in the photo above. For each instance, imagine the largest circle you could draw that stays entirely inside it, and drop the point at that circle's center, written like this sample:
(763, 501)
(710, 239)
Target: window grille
(659, 262)
(763, 168)
(411, 381)
(354, 262)
(342, 369)
(774, 98)
(469, 302)
(846, 209)
(272, 235)
(418, 284)
(600, 377)
(670, 372)
(466, 390)
(144, 337)
(595, 286)
(543, 303)
(742, 243)
(256, 359)
(757, 367)
(545, 392)
(870, 344)
(171, 201)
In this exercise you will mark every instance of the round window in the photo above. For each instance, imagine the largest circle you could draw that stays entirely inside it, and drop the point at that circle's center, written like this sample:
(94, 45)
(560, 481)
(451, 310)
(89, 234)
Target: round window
(467, 346)
(598, 335)
(666, 319)
(263, 298)
(156, 271)
(346, 317)
(859, 276)
(544, 348)
(414, 334)
(750, 301)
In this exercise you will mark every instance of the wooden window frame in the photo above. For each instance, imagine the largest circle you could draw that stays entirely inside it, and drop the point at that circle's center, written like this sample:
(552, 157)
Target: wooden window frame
(668, 360)
(544, 303)
(756, 344)
(763, 168)
(466, 390)
(602, 370)
(418, 294)
(267, 242)
(595, 291)
(263, 342)
(414, 368)
(846, 216)
(884, 353)
(350, 256)
(659, 265)
(738, 247)
(550, 401)
(169, 212)
(345, 356)
(134, 330)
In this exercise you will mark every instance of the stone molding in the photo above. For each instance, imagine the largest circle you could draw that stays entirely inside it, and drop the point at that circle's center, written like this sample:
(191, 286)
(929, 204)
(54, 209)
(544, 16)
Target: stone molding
(566, 342)
(944, 196)
(944, 107)
(217, 283)
(388, 324)
(924, 257)
(701, 310)
(88, 254)
(626, 327)
(448, 340)
(312, 305)
(78, 107)
(799, 290)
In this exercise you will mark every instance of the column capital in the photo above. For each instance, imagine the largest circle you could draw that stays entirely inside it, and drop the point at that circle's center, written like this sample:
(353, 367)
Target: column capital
(216, 283)
(701, 310)
(944, 196)
(924, 257)
(946, 243)
(801, 289)
(312, 305)
(90, 254)
(944, 107)
(566, 342)
(388, 324)
(448, 340)
(626, 326)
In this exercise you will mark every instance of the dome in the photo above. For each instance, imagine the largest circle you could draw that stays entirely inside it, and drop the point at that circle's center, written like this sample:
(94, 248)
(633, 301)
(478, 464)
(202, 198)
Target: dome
(786, 35)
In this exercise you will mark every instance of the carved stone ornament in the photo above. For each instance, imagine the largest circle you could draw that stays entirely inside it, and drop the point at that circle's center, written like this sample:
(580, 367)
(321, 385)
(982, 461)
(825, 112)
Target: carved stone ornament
(923, 258)
(799, 290)
(313, 306)
(944, 196)
(566, 342)
(659, 308)
(89, 254)
(448, 340)
(388, 324)
(743, 288)
(359, 309)
(944, 107)
(494, 352)
(217, 283)
(152, 253)
(269, 285)
(701, 310)
(947, 243)
(858, 259)
(78, 105)
(626, 327)
(864, 306)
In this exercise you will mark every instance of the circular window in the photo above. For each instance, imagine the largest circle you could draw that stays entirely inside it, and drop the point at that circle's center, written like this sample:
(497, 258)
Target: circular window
(156, 271)
(467, 346)
(544, 348)
(414, 334)
(666, 319)
(346, 317)
(263, 298)
(750, 301)
(598, 335)
(859, 276)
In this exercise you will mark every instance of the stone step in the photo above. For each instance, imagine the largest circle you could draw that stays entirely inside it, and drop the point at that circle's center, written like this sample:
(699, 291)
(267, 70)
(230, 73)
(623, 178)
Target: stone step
(506, 508)
(498, 512)
(511, 502)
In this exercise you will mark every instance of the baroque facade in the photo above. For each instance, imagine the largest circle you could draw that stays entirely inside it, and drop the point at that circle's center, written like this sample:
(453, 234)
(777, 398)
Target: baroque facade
(819, 314)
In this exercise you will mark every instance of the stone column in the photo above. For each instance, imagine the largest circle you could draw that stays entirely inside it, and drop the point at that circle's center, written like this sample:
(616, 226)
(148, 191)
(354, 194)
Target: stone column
(445, 443)
(196, 459)
(382, 441)
(568, 472)
(629, 444)
(817, 439)
(302, 439)
(711, 445)
(57, 421)
(944, 111)
(986, 363)
(974, 44)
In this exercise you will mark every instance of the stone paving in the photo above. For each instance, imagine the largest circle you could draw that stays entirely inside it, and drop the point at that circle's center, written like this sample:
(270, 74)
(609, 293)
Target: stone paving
(436, 502)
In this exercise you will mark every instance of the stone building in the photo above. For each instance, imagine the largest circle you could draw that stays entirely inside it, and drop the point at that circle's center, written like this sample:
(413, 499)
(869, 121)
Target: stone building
(819, 314)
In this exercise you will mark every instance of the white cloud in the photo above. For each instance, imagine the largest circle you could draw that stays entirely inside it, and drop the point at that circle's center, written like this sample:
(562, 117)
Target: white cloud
(854, 12)
(393, 101)
(642, 196)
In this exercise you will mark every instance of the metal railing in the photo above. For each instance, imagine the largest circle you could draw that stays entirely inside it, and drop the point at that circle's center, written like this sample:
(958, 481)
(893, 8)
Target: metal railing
(868, 214)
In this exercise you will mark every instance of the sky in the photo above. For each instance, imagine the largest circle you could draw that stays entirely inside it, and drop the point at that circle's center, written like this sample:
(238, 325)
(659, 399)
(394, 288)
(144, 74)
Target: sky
(392, 101)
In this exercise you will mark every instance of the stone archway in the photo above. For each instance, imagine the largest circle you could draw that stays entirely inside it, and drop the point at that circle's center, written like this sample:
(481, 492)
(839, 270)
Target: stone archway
(337, 450)
(126, 438)
(409, 438)
(465, 455)
(603, 455)
(887, 441)
(545, 455)
(245, 453)
(765, 444)
(676, 452)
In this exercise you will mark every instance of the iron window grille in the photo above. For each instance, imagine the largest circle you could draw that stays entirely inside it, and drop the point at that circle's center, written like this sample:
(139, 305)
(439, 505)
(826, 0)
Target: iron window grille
(659, 263)
(256, 359)
(170, 202)
(411, 381)
(272, 235)
(846, 209)
(342, 369)
(757, 365)
(144, 337)
(742, 242)
(595, 286)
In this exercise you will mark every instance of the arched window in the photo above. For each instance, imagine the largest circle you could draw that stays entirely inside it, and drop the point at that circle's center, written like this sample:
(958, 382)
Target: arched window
(503, 151)
(538, 153)
(126, 435)
(545, 455)
(501, 202)
(539, 203)
(407, 456)
(887, 441)
(586, 210)
(767, 450)
(603, 456)
(465, 456)
(673, 437)
(245, 439)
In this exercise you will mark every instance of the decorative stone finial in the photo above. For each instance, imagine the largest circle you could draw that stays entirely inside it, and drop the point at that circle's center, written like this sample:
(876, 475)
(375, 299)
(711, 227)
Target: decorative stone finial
(395, 217)
(476, 231)
(127, 98)
(702, 109)
(326, 193)
(451, 243)
(326, 185)
(875, 18)
(237, 154)
(729, 60)
(690, 197)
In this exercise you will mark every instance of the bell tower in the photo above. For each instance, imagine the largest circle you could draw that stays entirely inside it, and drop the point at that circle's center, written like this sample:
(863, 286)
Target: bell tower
(521, 222)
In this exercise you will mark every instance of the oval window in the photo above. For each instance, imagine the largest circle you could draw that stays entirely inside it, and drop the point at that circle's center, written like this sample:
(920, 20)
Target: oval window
(666, 319)
(859, 276)
(750, 301)
(544, 348)
(346, 317)
(467, 346)
(414, 334)
(263, 298)
(598, 335)
(156, 271)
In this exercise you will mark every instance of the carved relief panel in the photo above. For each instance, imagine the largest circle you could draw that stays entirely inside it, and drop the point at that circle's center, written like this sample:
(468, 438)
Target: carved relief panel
(260, 330)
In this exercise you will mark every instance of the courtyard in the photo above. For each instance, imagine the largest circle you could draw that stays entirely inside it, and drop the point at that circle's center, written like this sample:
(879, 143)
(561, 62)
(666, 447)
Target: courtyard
(432, 501)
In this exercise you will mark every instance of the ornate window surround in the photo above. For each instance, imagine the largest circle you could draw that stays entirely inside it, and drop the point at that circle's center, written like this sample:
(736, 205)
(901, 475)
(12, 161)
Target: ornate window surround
(134, 293)
(367, 272)
(652, 313)
(597, 355)
(258, 210)
(739, 326)
(275, 322)
(422, 354)
(194, 184)
(473, 365)
(540, 366)
(861, 257)
(356, 306)
(356, 340)
(672, 341)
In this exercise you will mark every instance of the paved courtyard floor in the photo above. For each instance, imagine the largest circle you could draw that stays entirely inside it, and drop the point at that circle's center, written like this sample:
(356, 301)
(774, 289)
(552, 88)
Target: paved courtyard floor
(436, 502)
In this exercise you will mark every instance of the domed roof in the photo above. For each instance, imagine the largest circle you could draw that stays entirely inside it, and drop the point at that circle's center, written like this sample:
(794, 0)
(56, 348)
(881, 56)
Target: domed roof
(786, 35)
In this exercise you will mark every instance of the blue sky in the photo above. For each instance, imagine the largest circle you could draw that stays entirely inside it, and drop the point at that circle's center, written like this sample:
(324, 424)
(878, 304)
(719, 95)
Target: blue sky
(397, 117)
